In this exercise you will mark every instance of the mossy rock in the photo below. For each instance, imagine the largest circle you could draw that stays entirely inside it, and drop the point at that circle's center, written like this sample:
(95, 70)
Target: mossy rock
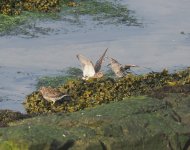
(99, 91)
(21, 17)
(15, 7)
(7, 116)
(138, 123)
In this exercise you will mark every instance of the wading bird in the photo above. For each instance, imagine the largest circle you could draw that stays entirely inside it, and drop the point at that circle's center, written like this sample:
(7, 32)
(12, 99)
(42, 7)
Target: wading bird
(53, 95)
(119, 69)
(88, 68)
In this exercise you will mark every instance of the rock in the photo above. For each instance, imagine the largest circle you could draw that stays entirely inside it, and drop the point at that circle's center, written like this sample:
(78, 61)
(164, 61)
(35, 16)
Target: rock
(138, 123)
(95, 92)
(7, 116)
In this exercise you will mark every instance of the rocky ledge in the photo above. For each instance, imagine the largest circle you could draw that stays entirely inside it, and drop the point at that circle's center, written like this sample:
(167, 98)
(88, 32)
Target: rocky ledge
(160, 121)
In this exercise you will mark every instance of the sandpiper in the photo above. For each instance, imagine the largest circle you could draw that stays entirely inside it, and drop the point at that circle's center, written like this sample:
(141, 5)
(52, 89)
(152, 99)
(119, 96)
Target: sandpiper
(89, 70)
(119, 69)
(53, 95)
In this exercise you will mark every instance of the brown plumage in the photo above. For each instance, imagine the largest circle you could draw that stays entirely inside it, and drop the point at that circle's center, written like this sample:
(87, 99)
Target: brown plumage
(99, 62)
(118, 69)
(89, 70)
(52, 95)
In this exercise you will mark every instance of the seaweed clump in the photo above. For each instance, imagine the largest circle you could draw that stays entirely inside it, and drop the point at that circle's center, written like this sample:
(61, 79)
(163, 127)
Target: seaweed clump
(15, 7)
(98, 91)
(7, 116)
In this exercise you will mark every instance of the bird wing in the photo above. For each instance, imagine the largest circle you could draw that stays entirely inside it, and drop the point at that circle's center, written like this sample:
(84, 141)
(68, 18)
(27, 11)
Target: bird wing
(99, 62)
(87, 66)
(55, 93)
(117, 67)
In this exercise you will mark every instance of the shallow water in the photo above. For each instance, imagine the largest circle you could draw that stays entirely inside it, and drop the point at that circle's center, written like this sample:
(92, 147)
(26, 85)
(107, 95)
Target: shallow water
(157, 44)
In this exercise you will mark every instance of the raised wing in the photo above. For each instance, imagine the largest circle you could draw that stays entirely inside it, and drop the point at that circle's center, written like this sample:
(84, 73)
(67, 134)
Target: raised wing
(99, 62)
(117, 68)
(87, 66)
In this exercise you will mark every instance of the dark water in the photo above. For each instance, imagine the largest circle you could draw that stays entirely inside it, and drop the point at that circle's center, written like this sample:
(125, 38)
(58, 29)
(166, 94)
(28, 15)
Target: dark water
(157, 44)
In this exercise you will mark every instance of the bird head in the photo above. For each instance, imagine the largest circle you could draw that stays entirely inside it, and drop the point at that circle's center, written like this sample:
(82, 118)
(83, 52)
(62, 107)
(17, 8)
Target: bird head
(42, 89)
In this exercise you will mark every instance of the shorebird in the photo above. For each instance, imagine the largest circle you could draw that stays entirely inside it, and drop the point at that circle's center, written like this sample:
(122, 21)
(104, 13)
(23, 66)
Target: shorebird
(89, 70)
(53, 95)
(119, 69)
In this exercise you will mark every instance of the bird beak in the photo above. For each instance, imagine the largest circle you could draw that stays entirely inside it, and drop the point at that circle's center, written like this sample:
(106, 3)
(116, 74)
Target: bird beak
(134, 66)
(131, 65)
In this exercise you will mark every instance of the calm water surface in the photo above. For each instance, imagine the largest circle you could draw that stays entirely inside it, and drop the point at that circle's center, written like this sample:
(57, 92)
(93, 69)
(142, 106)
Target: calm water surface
(157, 44)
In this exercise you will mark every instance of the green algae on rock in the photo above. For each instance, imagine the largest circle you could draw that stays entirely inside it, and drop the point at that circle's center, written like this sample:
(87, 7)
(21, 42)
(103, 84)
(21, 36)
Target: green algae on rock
(138, 123)
(105, 12)
(70, 73)
(7, 116)
(95, 92)
(18, 16)
(15, 7)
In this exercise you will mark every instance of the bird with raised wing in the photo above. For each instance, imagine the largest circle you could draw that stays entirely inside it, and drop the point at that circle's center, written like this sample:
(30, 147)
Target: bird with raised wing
(119, 69)
(89, 70)
(53, 95)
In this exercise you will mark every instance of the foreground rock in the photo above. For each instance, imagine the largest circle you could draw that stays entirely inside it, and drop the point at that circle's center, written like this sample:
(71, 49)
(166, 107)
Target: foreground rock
(135, 123)
(7, 116)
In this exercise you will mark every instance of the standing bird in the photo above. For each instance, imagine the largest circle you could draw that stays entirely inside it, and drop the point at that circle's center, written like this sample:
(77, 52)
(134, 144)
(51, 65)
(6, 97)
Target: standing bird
(89, 70)
(118, 69)
(53, 95)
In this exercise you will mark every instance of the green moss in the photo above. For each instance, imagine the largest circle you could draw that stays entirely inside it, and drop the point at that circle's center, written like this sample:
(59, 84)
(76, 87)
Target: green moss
(22, 24)
(71, 73)
(104, 11)
(53, 81)
(9, 23)
(138, 123)
(7, 116)
(101, 11)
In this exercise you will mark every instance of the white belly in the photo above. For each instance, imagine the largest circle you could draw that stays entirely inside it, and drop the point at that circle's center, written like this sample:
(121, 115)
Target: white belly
(88, 71)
